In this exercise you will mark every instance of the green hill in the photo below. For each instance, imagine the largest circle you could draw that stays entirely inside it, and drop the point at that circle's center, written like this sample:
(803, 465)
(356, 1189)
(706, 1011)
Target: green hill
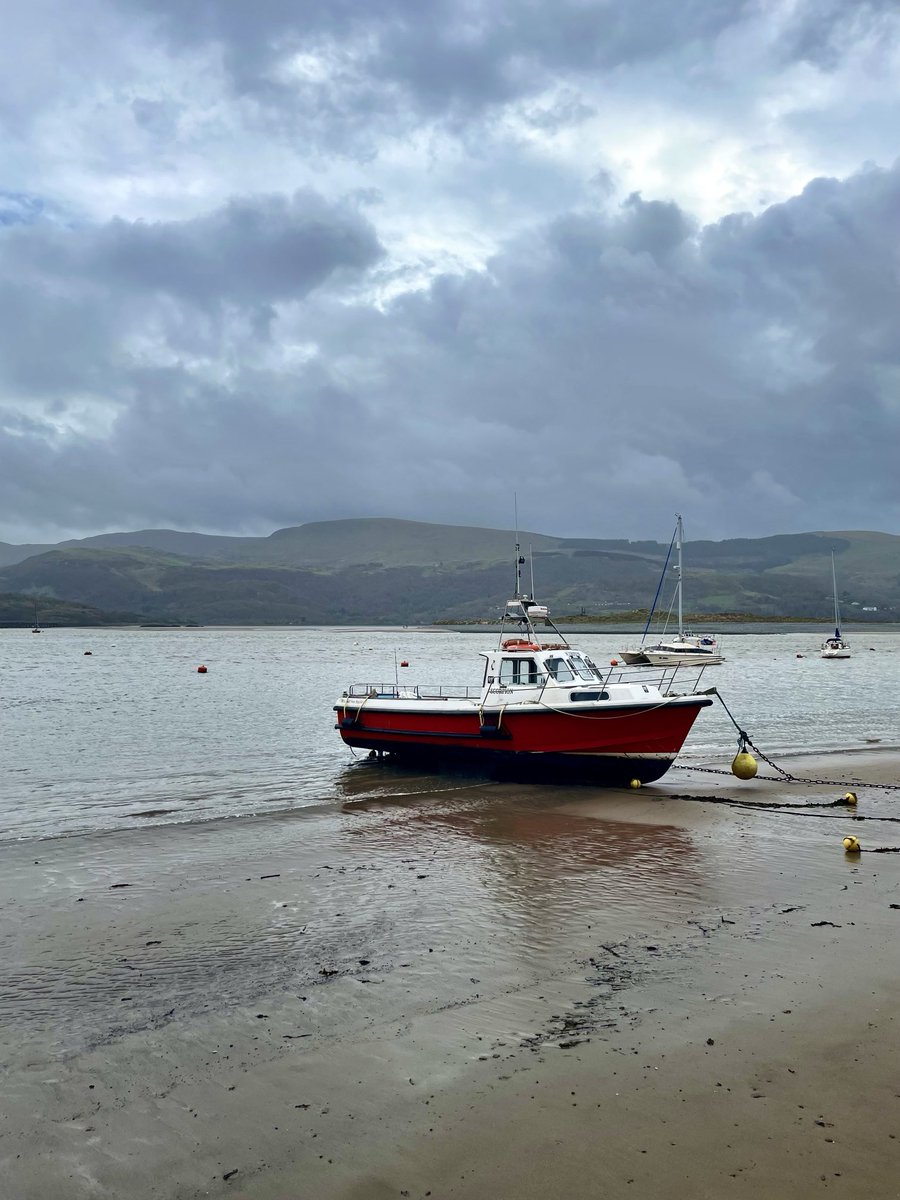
(18, 612)
(386, 571)
(331, 544)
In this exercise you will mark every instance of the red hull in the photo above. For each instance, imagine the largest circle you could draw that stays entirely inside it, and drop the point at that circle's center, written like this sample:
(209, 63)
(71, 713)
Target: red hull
(609, 745)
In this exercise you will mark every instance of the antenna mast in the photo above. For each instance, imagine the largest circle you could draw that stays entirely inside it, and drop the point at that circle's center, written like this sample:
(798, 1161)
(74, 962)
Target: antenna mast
(679, 529)
(520, 558)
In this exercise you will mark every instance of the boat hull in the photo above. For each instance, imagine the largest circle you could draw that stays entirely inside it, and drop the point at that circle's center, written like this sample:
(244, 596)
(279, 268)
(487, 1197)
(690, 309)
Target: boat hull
(633, 658)
(609, 746)
(665, 658)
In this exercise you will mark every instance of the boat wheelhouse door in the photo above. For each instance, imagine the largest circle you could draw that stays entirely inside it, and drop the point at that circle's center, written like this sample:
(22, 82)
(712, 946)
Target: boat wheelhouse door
(518, 672)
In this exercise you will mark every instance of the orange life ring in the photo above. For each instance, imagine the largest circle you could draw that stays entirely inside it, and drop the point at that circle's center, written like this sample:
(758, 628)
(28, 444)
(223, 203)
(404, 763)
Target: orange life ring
(519, 644)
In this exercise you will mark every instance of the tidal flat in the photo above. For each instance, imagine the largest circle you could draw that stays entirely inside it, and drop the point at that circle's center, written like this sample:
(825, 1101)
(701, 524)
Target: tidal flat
(453, 987)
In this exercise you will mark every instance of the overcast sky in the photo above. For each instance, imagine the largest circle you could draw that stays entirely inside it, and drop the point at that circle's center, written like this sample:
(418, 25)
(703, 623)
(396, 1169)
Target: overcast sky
(265, 262)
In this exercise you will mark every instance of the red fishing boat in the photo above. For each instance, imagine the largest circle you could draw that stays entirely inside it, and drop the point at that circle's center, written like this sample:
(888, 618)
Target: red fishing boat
(542, 707)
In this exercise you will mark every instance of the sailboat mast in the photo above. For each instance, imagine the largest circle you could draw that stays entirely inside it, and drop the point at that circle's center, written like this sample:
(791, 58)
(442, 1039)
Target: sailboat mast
(837, 615)
(679, 533)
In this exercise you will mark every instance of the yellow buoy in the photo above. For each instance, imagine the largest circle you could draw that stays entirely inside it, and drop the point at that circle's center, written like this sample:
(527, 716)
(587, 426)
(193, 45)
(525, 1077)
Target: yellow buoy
(851, 845)
(744, 765)
(635, 783)
(850, 798)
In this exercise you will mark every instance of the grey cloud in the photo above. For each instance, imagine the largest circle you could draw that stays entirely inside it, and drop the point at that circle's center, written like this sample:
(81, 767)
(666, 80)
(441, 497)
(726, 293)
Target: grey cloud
(251, 250)
(71, 299)
(820, 32)
(829, 251)
(158, 117)
(442, 57)
(609, 367)
(447, 58)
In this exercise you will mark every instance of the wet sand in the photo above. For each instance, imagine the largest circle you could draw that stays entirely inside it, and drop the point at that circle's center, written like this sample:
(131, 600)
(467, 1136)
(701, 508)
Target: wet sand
(492, 991)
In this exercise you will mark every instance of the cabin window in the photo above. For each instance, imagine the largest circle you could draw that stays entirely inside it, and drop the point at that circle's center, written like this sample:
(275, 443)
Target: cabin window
(559, 669)
(593, 666)
(584, 671)
(517, 671)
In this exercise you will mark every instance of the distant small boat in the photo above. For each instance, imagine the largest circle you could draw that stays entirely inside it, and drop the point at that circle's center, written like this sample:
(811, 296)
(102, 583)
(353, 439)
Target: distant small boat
(836, 646)
(37, 624)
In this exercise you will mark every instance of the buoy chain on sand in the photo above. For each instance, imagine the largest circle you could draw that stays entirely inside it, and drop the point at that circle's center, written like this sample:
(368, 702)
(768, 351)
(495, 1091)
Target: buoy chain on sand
(852, 846)
(746, 744)
(786, 776)
(777, 804)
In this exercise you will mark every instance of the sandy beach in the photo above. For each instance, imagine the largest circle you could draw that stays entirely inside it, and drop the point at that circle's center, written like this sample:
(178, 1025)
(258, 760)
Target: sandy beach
(504, 992)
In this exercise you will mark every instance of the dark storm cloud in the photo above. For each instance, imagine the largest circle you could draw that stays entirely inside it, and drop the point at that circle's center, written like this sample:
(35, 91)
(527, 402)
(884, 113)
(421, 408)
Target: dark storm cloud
(68, 297)
(611, 368)
(257, 249)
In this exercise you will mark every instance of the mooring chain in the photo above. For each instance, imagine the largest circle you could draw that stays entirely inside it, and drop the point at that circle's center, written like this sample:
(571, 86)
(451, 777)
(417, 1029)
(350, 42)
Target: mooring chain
(745, 742)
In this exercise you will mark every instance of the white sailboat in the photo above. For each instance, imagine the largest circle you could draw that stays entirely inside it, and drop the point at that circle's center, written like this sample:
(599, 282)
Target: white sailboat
(835, 646)
(685, 648)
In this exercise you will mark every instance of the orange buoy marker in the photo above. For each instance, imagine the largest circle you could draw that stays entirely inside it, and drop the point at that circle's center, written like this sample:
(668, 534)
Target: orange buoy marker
(851, 845)
(201, 670)
(613, 662)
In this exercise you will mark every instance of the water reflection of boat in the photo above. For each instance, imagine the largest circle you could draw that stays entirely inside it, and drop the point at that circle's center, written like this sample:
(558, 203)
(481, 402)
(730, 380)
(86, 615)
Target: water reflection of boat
(542, 707)
(577, 842)
(527, 842)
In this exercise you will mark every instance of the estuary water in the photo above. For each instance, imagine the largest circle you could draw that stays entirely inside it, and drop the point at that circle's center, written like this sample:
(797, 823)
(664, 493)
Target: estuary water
(130, 735)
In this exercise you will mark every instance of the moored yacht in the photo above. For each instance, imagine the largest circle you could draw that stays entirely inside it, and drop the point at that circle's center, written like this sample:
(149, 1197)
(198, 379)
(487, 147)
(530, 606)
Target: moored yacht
(685, 648)
(835, 646)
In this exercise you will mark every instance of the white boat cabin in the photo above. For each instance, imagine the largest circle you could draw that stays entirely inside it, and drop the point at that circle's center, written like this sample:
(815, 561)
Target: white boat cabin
(521, 672)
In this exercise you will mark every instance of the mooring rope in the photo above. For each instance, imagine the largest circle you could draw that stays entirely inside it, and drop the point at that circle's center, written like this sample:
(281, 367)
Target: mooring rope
(746, 741)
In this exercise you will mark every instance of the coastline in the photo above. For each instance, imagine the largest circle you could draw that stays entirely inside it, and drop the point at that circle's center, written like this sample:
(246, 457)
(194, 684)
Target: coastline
(650, 996)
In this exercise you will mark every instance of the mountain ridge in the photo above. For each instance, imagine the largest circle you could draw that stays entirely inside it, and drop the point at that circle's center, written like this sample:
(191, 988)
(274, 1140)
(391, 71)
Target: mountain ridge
(385, 570)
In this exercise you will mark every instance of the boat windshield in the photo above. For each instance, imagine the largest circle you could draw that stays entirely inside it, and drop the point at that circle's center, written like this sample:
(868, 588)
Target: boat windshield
(584, 671)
